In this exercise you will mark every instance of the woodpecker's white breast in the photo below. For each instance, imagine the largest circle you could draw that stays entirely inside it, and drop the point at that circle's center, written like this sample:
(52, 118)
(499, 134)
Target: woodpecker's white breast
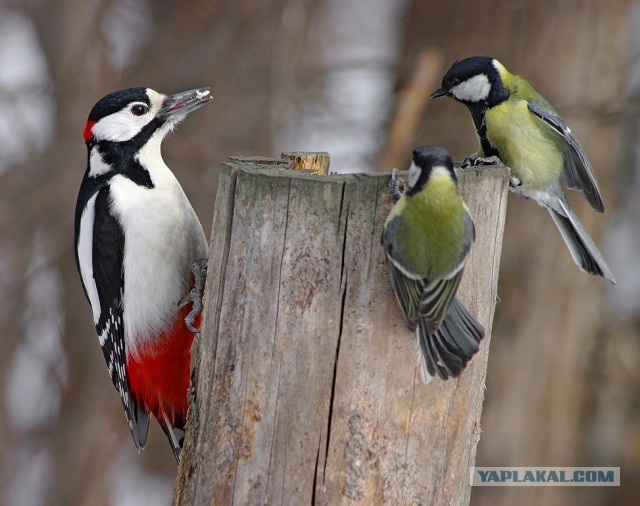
(163, 238)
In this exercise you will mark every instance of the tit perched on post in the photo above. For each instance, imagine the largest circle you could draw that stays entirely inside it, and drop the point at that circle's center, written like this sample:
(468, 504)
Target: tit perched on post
(427, 238)
(517, 125)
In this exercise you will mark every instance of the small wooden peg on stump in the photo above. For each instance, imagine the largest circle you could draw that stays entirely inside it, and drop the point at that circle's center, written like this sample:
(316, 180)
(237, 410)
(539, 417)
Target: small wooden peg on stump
(318, 162)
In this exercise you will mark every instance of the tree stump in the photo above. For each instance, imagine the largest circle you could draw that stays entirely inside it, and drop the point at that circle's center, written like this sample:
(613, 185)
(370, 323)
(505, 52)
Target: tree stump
(307, 385)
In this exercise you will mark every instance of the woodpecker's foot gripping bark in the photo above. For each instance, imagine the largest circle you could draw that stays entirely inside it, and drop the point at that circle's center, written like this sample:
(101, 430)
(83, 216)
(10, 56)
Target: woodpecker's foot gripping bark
(199, 270)
(395, 183)
(474, 161)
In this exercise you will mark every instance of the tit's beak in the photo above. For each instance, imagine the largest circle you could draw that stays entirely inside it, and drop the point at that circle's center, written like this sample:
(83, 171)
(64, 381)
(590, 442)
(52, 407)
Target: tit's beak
(185, 102)
(440, 92)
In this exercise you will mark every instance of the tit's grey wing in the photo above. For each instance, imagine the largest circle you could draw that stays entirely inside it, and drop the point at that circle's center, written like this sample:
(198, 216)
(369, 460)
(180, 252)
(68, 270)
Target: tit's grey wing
(447, 351)
(408, 292)
(407, 287)
(578, 173)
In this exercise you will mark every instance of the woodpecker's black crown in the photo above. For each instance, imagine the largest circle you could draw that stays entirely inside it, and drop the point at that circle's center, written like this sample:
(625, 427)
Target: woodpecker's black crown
(113, 102)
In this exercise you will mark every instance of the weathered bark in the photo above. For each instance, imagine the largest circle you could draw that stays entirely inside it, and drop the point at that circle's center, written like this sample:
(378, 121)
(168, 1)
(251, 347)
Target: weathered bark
(308, 388)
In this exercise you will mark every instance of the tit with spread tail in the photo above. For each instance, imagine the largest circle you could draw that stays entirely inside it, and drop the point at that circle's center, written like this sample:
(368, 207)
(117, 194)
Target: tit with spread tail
(426, 239)
(517, 125)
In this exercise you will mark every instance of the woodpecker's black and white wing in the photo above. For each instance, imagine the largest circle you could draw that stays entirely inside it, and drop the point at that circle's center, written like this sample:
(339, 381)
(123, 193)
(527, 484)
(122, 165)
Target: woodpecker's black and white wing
(100, 256)
(578, 173)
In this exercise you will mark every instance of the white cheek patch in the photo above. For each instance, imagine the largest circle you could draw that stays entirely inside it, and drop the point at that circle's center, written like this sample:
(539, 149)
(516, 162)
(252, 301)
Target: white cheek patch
(414, 174)
(85, 256)
(120, 126)
(474, 89)
(97, 165)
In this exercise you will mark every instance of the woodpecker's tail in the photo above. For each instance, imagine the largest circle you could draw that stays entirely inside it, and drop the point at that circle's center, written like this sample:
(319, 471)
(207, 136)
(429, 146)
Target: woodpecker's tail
(583, 250)
(175, 435)
(139, 425)
(448, 350)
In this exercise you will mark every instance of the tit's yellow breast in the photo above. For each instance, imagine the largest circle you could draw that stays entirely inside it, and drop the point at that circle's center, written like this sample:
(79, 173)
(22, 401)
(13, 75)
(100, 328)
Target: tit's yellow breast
(431, 231)
(525, 143)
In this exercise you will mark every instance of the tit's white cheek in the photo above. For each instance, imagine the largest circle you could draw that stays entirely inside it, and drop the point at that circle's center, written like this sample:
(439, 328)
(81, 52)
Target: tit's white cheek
(474, 89)
(414, 174)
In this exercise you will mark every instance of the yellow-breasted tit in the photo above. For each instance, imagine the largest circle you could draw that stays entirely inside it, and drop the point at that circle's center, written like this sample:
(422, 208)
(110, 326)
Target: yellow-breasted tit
(517, 125)
(427, 238)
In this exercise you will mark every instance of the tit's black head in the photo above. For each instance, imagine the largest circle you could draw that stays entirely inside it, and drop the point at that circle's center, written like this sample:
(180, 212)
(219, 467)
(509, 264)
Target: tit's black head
(430, 156)
(474, 80)
(424, 160)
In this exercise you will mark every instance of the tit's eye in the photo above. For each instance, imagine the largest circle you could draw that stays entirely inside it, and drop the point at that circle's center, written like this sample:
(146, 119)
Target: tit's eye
(138, 109)
(455, 81)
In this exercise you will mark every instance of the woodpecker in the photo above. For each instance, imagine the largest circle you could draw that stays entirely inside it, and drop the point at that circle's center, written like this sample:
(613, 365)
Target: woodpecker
(138, 245)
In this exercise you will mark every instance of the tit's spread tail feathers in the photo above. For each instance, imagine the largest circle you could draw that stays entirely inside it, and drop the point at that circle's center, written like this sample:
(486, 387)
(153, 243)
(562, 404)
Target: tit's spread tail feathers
(578, 173)
(447, 351)
(583, 250)
(448, 335)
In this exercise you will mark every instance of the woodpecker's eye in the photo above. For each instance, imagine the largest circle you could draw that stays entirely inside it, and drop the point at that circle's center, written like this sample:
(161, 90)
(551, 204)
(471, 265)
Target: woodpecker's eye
(138, 109)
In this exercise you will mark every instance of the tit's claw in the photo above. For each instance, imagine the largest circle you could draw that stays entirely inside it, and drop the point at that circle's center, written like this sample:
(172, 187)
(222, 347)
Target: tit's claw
(514, 182)
(199, 270)
(474, 161)
(394, 185)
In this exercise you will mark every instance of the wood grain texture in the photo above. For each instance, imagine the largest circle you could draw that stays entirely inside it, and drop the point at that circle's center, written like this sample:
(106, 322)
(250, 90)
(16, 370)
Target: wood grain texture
(307, 385)
(318, 162)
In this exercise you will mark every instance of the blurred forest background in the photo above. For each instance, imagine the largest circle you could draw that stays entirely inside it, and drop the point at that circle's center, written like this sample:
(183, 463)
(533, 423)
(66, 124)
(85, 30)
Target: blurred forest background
(350, 77)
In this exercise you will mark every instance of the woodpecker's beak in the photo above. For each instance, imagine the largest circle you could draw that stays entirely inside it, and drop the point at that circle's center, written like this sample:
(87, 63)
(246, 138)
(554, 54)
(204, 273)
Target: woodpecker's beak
(440, 92)
(183, 103)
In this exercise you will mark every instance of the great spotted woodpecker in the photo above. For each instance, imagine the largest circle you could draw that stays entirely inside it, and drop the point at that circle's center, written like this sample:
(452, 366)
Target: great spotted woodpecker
(137, 240)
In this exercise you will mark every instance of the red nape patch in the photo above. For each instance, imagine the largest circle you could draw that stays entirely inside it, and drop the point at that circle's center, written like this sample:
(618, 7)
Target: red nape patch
(161, 377)
(87, 131)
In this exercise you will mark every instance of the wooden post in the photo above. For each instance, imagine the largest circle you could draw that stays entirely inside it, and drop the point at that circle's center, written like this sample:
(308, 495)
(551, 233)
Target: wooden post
(307, 384)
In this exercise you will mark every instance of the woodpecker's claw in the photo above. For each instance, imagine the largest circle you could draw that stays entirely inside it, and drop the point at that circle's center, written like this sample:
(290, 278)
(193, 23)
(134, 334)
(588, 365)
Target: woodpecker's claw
(474, 161)
(199, 270)
(394, 185)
